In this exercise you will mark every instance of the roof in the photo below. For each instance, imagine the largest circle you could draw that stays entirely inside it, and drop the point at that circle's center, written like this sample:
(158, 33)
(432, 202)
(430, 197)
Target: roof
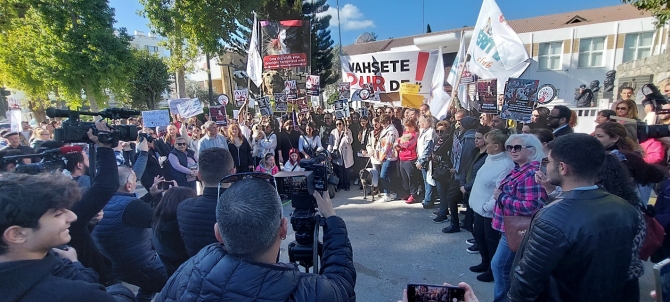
(540, 23)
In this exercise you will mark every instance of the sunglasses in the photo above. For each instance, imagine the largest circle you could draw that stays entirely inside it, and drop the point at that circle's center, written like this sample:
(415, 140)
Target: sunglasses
(621, 108)
(181, 144)
(338, 124)
(248, 175)
(516, 148)
(440, 131)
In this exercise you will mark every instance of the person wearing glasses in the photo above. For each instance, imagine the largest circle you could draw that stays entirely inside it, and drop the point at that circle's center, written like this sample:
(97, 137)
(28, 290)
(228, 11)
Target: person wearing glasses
(626, 109)
(39, 137)
(518, 195)
(242, 265)
(559, 119)
(326, 128)
(339, 142)
(183, 166)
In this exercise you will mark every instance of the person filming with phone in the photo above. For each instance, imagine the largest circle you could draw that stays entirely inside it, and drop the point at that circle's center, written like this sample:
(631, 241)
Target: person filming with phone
(243, 264)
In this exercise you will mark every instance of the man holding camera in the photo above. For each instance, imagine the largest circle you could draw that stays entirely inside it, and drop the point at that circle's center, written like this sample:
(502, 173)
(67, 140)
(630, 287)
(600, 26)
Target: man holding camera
(242, 265)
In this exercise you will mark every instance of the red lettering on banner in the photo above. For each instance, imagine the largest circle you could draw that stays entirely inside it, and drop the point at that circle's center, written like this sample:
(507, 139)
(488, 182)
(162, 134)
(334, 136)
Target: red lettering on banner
(376, 81)
(285, 61)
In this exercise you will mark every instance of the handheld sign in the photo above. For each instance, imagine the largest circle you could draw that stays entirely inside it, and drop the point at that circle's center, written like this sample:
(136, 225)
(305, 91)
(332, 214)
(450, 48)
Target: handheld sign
(190, 108)
(546, 94)
(313, 85)
(156, 118)
(223, 99)
(241, 96)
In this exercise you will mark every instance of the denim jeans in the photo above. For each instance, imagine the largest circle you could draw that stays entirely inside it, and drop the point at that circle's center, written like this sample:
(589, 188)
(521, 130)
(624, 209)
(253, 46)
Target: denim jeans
(428, 197)
(501, 267)
(442, 188)
(385, 181)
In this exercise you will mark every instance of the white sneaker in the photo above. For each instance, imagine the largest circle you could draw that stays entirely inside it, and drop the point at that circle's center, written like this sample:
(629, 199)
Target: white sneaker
(393, 196)
(385, 197)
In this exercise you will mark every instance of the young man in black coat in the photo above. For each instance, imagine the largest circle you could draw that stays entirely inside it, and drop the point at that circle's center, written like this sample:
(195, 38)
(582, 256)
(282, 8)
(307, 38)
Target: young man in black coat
(35, 219)
(242, 265)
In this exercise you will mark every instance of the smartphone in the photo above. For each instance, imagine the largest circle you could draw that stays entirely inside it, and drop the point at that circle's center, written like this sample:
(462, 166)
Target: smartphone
(165, 185)
(426, 292)
(662, 276)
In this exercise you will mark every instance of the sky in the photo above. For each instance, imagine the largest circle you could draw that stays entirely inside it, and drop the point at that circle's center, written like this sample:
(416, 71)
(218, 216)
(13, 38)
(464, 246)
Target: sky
(397, 18)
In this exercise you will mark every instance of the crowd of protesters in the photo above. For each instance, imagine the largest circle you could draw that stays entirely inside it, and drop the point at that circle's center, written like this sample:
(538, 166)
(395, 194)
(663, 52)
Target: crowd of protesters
(201, 226)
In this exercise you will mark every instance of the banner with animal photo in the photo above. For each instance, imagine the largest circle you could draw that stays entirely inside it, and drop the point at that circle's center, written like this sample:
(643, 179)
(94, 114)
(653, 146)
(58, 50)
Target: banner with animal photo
(341, 109)
(286, 44)
(217, 114)
(520, 97)
(302, 104)
(386, 70)
(313, 85)
(281, 102)
(240, 97)
(365, 94)
(487, 92)
(291, 90)
(343, 90)
(265, 106)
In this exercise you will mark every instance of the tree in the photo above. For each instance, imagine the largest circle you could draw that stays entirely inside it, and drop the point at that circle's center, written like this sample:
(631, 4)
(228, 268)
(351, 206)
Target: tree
(322, 43)
(428, 29)
(150, 79)
(196, 26)
(68, 47)
(660, 9)
(195, 90)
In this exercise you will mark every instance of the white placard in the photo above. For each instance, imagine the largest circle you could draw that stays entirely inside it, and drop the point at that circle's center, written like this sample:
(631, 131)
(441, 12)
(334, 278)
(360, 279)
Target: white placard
(236, 114)
(190, 108)
(174, 103)
(14, 117)
(155, 118)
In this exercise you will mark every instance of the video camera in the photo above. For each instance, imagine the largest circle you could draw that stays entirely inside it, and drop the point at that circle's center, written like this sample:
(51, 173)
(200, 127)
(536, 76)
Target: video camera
(74, 130)
(52, 160)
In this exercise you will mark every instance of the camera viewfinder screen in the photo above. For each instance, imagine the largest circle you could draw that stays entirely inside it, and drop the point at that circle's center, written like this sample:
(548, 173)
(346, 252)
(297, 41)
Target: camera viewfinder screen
(294, 184)
(427, 293)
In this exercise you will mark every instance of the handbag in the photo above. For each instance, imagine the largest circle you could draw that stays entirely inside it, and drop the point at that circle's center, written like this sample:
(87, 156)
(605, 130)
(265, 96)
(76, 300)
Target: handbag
(655, 234)
(516, 228)
(336, 154)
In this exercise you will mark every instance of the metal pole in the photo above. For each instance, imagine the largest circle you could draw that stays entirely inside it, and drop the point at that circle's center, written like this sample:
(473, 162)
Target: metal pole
(209, 81)
(339, 26)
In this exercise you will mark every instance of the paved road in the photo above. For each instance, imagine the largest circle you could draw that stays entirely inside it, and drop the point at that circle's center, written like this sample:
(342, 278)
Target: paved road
(395, 243)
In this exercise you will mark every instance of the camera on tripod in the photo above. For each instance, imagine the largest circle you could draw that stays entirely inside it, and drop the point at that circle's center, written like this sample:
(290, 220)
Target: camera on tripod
(74, 130)
(322, 168)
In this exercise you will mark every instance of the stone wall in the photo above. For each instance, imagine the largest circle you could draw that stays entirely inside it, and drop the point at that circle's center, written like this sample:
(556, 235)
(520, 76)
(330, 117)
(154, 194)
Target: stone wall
(657, 66)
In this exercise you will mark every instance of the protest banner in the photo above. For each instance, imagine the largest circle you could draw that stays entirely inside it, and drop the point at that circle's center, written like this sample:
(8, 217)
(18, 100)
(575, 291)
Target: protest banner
(366, 94)
(291, 90)
(222, 99)
(254, 60)
(487, 92)
(313, 85)
(343, 91)
(519, 100)
(174, 103)
(301, 102)
(341, 109)
(14, 117)
(386, 70)
(217, 114)
(315, 101)
(265, 106)
(241, 96)
(496, 50)
(409, 96)
(408, 88)
(190, 108)
(155, 118)
(13, 103)
(546, 94)
(286, 44)
(236, 114)
(281, 103)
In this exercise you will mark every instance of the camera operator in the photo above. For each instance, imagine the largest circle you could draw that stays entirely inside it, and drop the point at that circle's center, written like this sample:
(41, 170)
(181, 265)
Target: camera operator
(76, 167)
(197, 216)
(153, 167)
(35, 219)
(243, 265)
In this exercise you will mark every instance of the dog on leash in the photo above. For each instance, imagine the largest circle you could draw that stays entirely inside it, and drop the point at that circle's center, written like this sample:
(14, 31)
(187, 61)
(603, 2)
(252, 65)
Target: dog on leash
(366, 181)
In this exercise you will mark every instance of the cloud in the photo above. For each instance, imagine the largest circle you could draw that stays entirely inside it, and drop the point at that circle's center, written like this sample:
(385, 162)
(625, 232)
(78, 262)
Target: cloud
(352, 18)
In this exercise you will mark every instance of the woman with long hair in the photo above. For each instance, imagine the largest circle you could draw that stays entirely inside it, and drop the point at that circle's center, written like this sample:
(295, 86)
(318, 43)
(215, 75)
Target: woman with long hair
(191, 132)
(40, 136)
(615, 137)
(340, 142)
(310, 142)
(240, 149)
(372, 142)
(539, 119)
(360, 141)
(268, 165)
(603, 116)
(518, 195)
(293, 162)
(406, 146)
(165, 235)
(441, 162)
(172, 134)
(424, 151)
(627, 109)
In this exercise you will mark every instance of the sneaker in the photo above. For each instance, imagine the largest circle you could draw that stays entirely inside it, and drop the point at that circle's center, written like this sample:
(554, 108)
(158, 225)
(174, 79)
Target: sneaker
(388, 198)
(451, 229)
(480, 268)
(427, 205)
(393, 196)
(440, 219)
(470, 242)
(473, 249)
(410, 200)
(486, 277)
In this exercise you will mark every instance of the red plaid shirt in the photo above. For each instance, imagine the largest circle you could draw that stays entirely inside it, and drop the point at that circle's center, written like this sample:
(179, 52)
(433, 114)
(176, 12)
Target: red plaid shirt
(520, 194)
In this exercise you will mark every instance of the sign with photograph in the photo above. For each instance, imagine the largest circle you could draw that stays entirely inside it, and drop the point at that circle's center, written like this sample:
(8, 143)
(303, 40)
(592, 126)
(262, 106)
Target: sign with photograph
(487, 91)
(155, 118)
(301, 102)
(281, 103)
(241, 96)
(341, 109)
(519, 99)
(217, 114)
(313, 85)
(291, 90)
(286, 44)
(343, 91)
(174, 103)
(265, 106)
(365, 94)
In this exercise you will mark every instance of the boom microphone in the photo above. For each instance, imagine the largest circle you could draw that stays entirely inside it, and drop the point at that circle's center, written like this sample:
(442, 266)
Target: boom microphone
(64, 150)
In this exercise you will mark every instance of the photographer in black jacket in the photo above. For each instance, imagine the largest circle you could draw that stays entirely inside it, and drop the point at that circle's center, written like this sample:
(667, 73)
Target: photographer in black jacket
(242, 265)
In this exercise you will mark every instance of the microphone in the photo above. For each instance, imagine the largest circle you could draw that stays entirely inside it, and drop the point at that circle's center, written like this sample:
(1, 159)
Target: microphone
(64, 150)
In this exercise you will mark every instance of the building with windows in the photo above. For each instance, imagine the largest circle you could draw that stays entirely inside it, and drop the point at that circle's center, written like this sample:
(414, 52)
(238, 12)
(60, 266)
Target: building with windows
(149, 42)
(567, 49)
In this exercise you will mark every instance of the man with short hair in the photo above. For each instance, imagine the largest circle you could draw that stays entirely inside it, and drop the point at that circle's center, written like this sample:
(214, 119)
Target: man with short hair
(578, 247)
(395, 121)
(241, 265)
(77, 167)
(584, 97)
(287, 140)
(124, 236)
(196, 216)
(36, 219)
(498, 123)
(327, 127)
(14, 143)
(424, 110)
(212, 138)
(558, 120)
(26, 133)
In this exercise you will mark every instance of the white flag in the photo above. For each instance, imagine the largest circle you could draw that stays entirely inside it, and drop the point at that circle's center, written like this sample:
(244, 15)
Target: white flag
(458, 64)
(254, 60)
(496, 50)
(439, 99)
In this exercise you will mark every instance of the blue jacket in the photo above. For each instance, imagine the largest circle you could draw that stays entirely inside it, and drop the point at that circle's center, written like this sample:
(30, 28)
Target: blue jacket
(213, 275)
(196, 218)
(128, 247)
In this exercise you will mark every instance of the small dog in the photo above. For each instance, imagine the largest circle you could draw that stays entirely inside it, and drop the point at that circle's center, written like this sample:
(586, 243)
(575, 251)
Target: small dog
(366, 181)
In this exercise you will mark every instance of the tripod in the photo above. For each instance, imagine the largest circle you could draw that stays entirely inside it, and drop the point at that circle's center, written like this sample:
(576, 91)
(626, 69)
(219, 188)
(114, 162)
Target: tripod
(307, 255)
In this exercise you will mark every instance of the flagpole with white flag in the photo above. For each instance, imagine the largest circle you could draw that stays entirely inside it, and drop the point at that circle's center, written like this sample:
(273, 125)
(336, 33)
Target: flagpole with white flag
(254, 60)
(496, 50)
(440, 100)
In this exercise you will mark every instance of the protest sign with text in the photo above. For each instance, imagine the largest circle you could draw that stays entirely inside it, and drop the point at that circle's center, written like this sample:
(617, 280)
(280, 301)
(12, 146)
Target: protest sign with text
(174, 103)
(341, 109)
(217, 114)
(286, 44)
(241, 96)
(313, 85)
(190, 108)
(487, 92)
(520, 97)
(155, 118)
(281, 103)
(265, 106)
(343, 90)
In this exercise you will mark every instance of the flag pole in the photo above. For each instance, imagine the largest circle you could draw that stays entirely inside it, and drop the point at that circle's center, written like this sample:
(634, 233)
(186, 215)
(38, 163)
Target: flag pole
(454, 90)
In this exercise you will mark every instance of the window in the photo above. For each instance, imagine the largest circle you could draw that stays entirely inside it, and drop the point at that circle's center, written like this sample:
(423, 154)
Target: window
(637, 46)
(591, 52)
(152, 49)
(549, 55)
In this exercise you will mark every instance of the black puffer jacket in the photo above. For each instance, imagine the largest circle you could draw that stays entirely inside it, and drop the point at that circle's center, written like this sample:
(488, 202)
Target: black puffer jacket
(196, 218)
(577, 249)
(213, 275)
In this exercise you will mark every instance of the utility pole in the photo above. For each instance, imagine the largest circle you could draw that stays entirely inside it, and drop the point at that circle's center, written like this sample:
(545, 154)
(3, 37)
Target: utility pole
(209, 81)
